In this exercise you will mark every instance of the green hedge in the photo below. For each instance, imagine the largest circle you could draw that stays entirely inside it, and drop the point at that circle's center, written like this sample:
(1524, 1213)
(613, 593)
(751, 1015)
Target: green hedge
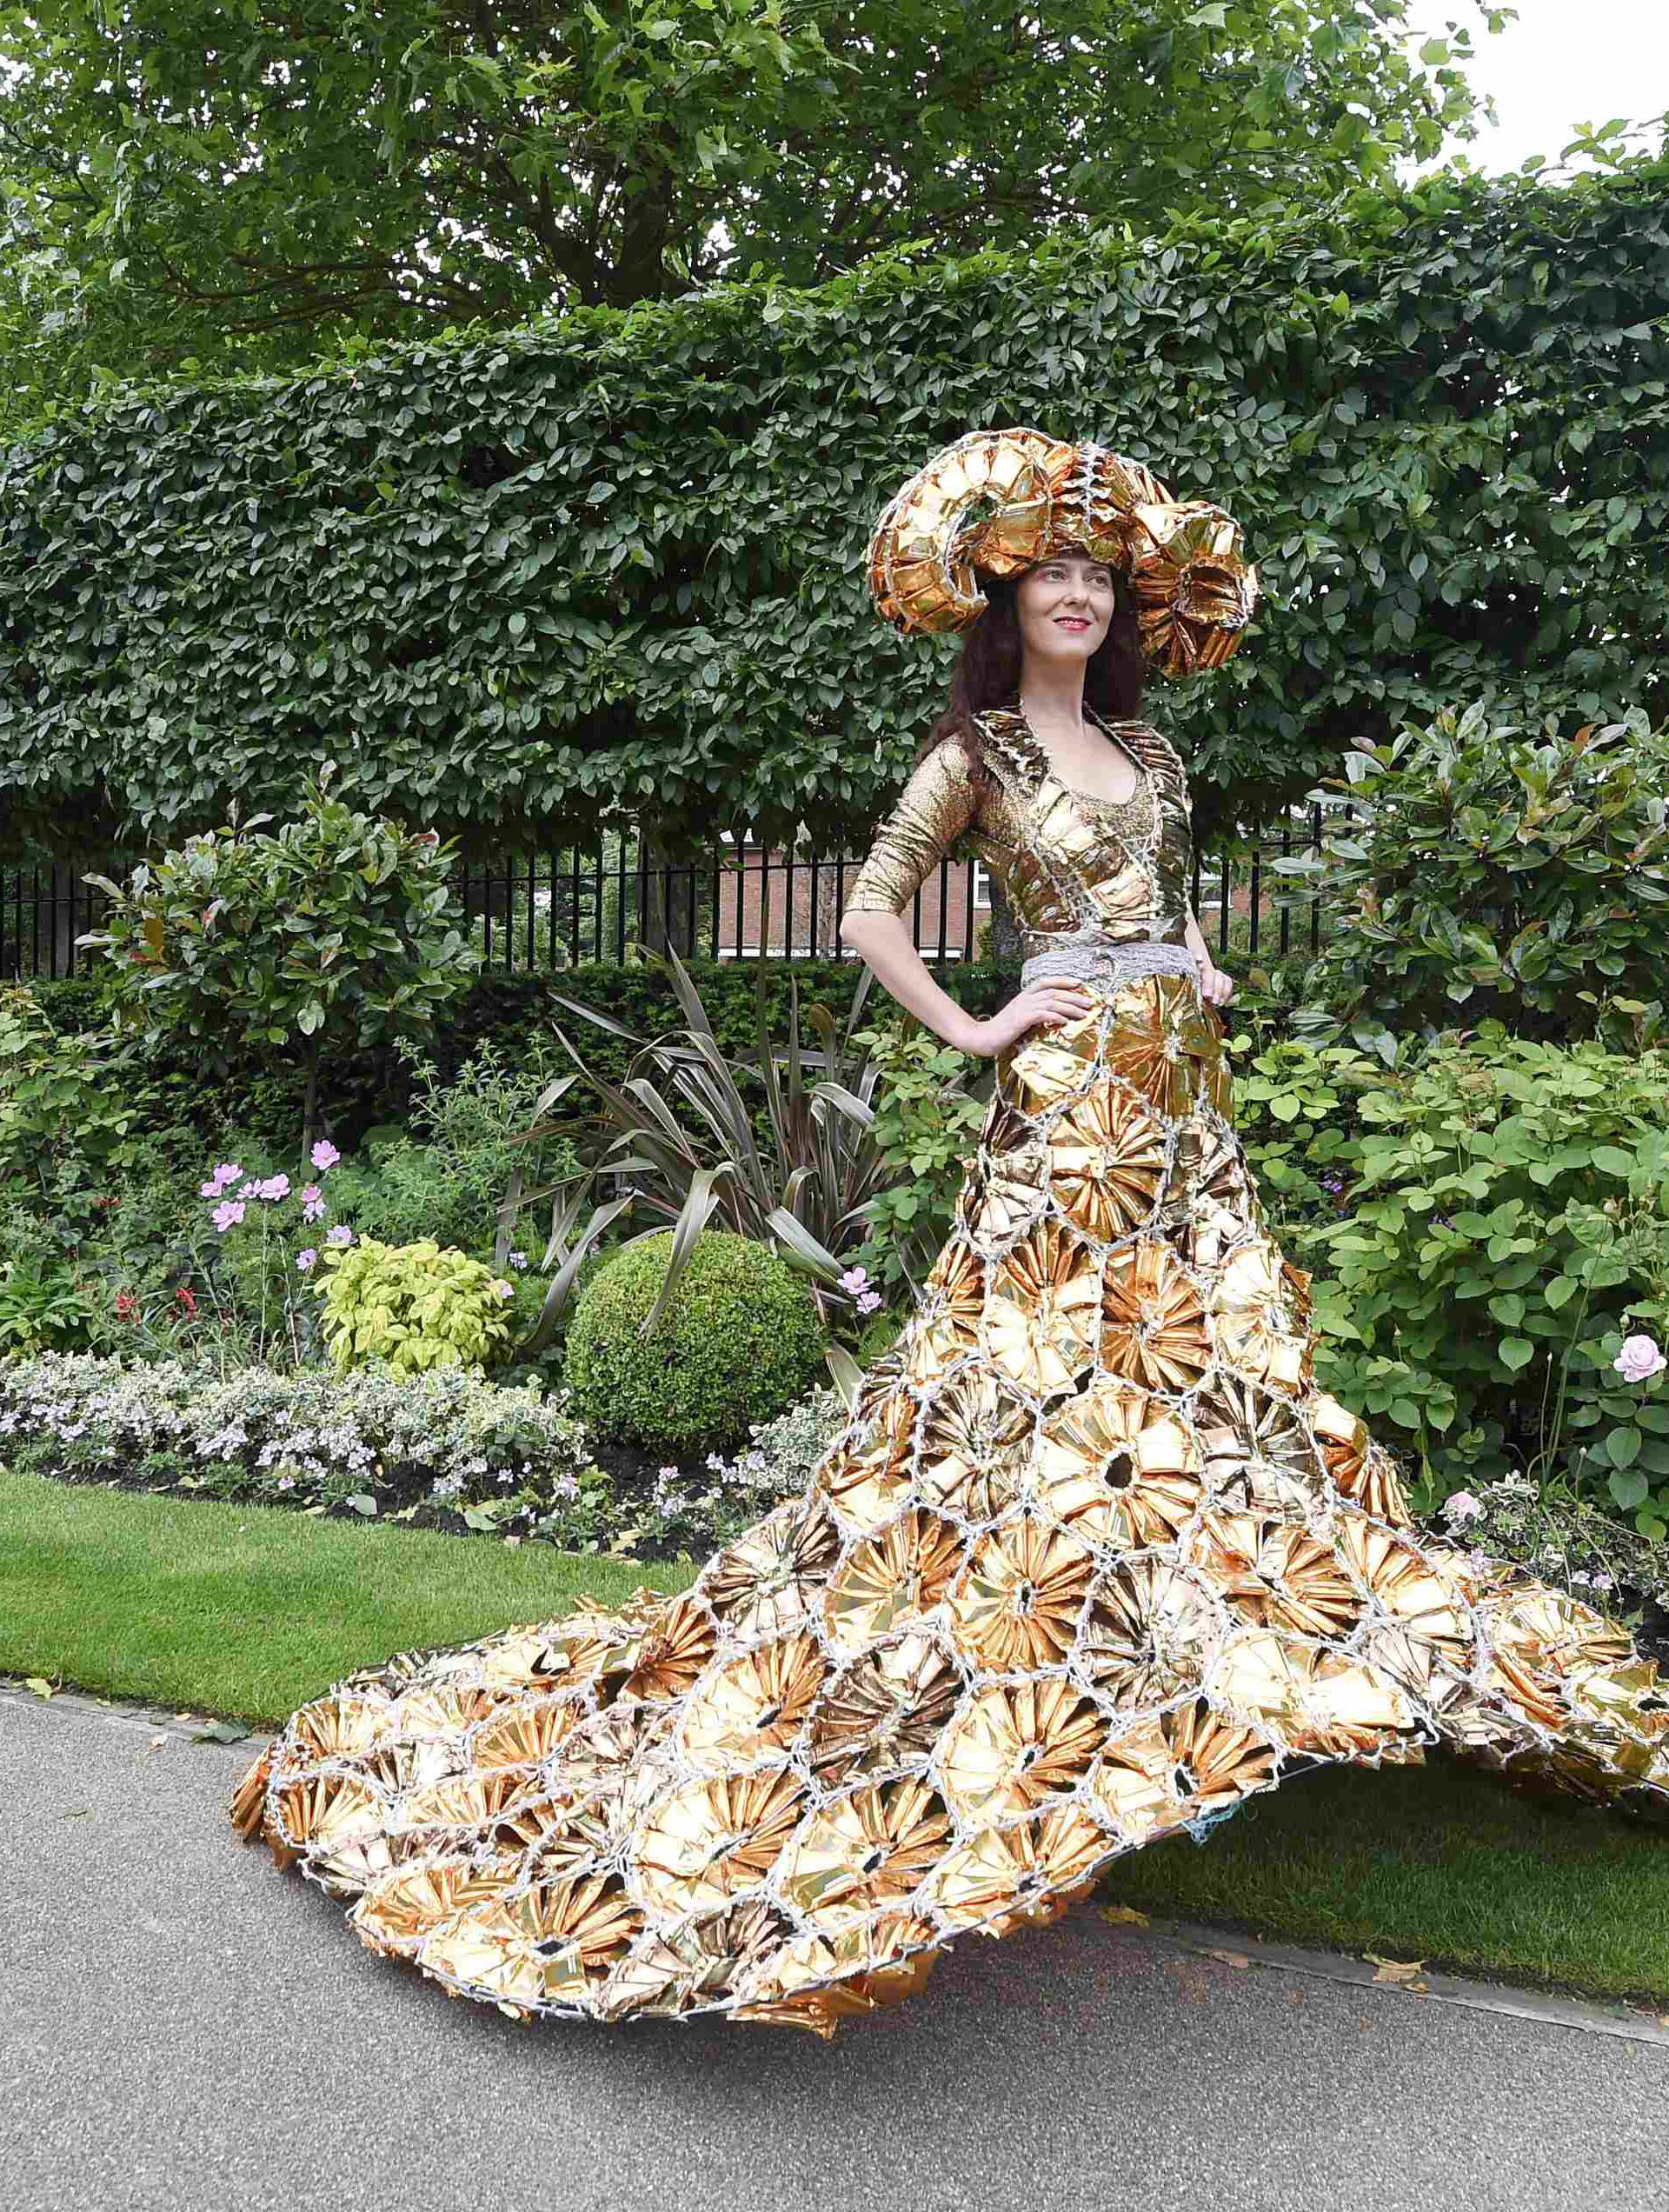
(519, 582)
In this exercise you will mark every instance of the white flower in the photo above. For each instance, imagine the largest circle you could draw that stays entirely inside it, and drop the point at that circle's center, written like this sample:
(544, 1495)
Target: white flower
(1461, 1505)
(1638, 1359)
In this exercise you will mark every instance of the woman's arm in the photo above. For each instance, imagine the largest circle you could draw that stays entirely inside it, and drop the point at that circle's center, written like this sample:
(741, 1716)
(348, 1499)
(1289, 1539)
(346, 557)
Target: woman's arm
(884, 941)
(1216, 986)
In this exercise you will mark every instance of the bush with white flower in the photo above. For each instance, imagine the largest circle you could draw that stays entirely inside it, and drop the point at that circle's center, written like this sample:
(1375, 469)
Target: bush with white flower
(370, 1441)
(1561, 1538)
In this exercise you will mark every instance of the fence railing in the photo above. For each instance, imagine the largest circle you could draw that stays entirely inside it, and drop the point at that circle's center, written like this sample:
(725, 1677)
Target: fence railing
(558, 909)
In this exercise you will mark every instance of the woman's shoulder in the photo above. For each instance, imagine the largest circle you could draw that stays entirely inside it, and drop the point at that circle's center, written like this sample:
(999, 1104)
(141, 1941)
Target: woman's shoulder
(1150, 745)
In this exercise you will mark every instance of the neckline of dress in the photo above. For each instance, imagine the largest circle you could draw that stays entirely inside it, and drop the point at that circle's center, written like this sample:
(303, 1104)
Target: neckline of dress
(1144, 774)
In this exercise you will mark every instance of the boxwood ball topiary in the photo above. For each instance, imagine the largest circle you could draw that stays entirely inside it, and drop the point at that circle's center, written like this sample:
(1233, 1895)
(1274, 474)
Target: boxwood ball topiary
(740, 1339)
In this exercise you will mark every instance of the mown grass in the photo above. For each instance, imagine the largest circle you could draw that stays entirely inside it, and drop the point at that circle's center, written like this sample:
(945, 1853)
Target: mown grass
(249, 1611)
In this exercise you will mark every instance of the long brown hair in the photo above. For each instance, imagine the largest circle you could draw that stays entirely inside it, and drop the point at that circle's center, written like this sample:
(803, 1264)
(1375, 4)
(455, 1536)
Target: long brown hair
(987, 673)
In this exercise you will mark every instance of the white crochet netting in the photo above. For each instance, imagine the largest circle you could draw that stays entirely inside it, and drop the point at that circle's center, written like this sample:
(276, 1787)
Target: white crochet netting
(1094, 1561)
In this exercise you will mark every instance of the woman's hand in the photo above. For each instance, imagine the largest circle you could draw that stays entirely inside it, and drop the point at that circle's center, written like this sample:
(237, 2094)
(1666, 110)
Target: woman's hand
(1216, 987)
(1054, 999)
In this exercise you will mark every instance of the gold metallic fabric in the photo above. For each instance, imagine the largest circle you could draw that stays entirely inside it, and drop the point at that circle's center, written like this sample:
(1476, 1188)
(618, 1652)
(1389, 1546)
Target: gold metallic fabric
(1094, 1561)
(998, 500)
(1075, 869)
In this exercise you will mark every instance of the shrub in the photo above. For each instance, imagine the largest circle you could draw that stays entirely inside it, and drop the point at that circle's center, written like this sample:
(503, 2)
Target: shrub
(67, 1104)
(314, 1438)
(925, 1126)
(1564, 1540)
(1519, 875)
(778, 1149)
(334, 933)
(447, 1179)
(412, 1307)
(738, 1340)
(1508, 1227)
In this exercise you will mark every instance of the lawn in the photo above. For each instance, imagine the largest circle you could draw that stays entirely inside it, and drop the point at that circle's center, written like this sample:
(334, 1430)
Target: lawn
(249, 1611)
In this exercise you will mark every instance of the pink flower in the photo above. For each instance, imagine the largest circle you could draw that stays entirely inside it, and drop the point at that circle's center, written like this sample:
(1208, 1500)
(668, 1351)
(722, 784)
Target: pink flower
(1638, 1358)
(340, 1235)
(226, 1174)
(855, 1280)
(1461, 1505)
(324, 1155)
(868, 1302)
(273, 1188)
(312, 1203)
(228, 1215)
(249, 1189)
(305, 1262)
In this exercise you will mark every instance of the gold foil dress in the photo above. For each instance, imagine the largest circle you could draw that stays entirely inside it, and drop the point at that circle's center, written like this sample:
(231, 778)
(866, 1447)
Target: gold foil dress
(1094, 1561)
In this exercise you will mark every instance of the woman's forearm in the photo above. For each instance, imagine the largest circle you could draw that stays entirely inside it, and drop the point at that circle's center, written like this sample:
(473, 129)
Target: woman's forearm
(884, 941)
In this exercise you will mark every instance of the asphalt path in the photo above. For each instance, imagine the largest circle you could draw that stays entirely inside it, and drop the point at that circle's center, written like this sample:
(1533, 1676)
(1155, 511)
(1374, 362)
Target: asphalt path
(182, 2027)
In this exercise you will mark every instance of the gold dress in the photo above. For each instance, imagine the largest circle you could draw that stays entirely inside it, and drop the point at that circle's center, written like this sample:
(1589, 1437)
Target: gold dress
(1094, 1561)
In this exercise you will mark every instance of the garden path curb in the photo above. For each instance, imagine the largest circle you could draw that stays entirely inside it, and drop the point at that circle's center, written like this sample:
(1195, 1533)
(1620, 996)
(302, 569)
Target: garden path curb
(1592, 2016)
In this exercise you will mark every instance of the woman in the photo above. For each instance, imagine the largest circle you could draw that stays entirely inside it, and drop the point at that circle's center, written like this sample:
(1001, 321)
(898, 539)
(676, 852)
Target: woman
(1094, 1559)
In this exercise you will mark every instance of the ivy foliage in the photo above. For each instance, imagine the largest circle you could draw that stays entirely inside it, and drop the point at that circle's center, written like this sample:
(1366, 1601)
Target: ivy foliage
(613, 561)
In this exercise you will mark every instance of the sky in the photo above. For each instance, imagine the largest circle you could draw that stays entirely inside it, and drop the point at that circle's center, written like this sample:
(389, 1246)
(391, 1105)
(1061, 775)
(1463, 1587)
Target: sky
(1564, 62)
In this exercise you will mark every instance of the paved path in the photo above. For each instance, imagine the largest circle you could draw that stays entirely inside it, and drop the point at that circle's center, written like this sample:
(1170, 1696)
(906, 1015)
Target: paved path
(181, 2027)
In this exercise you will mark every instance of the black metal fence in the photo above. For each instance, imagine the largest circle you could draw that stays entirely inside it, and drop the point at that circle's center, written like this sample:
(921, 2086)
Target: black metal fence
(557, 909)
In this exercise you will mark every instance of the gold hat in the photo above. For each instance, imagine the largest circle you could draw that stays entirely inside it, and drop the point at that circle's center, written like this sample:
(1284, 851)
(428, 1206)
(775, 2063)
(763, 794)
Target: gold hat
(1000, 500)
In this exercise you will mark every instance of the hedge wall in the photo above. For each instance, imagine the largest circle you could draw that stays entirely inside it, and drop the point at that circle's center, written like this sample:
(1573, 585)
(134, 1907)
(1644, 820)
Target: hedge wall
(513, 581)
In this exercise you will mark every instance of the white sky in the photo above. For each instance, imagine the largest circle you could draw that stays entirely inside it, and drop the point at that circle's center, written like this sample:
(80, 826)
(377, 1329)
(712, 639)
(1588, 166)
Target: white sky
(1563, 62)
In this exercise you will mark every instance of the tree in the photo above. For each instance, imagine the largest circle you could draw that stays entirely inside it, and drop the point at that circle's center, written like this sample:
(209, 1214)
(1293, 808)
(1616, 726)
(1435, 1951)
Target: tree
(220, 181)
(332, 935)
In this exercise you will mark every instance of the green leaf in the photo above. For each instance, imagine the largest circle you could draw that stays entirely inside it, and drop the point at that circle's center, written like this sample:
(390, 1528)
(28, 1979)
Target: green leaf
(1624, 1446)
(1627, 1490)
(1515, 1352)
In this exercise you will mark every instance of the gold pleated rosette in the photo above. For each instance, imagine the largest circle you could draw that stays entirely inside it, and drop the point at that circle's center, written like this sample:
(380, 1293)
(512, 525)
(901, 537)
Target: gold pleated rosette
(996, 501)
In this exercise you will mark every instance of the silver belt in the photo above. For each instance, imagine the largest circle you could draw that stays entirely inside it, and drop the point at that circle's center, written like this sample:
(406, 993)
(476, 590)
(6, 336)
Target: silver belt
(1110, 963)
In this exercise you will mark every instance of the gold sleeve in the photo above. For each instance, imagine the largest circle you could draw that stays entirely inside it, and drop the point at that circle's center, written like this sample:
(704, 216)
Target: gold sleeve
(939, 802)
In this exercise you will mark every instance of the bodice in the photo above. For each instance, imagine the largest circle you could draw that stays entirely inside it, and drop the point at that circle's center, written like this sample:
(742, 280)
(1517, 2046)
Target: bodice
(1074, 869)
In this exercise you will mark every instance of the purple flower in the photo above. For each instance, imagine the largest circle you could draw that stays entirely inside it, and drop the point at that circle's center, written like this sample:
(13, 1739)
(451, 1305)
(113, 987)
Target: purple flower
(324, 1155)
(856, 1281)
(668, 1474)
(517, 1260)
(339, 1236)
(312, 1203)
(249, 1189)
(1461, 1505)
(565, 1487)
(868, 1302)
(228, 1215)
(504, 1289)
(273, 1188)
(306, 1262)
(1638, 1358)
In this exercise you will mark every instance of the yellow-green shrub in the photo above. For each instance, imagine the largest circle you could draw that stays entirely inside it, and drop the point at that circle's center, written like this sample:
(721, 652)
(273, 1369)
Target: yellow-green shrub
(415, 1306)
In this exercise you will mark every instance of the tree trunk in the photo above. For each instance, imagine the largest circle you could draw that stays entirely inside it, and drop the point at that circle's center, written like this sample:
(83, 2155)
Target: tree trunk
(664, 905)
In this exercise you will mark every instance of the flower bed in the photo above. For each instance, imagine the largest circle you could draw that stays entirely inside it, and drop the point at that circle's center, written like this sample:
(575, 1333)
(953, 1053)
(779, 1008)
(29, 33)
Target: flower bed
(445, 1450)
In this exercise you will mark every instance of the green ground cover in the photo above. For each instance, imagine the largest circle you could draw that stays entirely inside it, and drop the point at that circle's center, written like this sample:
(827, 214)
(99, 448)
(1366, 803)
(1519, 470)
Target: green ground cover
(249, 1610)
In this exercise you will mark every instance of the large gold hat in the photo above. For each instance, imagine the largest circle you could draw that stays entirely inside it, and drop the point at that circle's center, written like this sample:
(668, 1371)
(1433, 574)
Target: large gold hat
(1000, 500)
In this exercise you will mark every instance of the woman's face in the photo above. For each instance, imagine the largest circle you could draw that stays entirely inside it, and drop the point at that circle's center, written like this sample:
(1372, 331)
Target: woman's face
(1064, 605)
